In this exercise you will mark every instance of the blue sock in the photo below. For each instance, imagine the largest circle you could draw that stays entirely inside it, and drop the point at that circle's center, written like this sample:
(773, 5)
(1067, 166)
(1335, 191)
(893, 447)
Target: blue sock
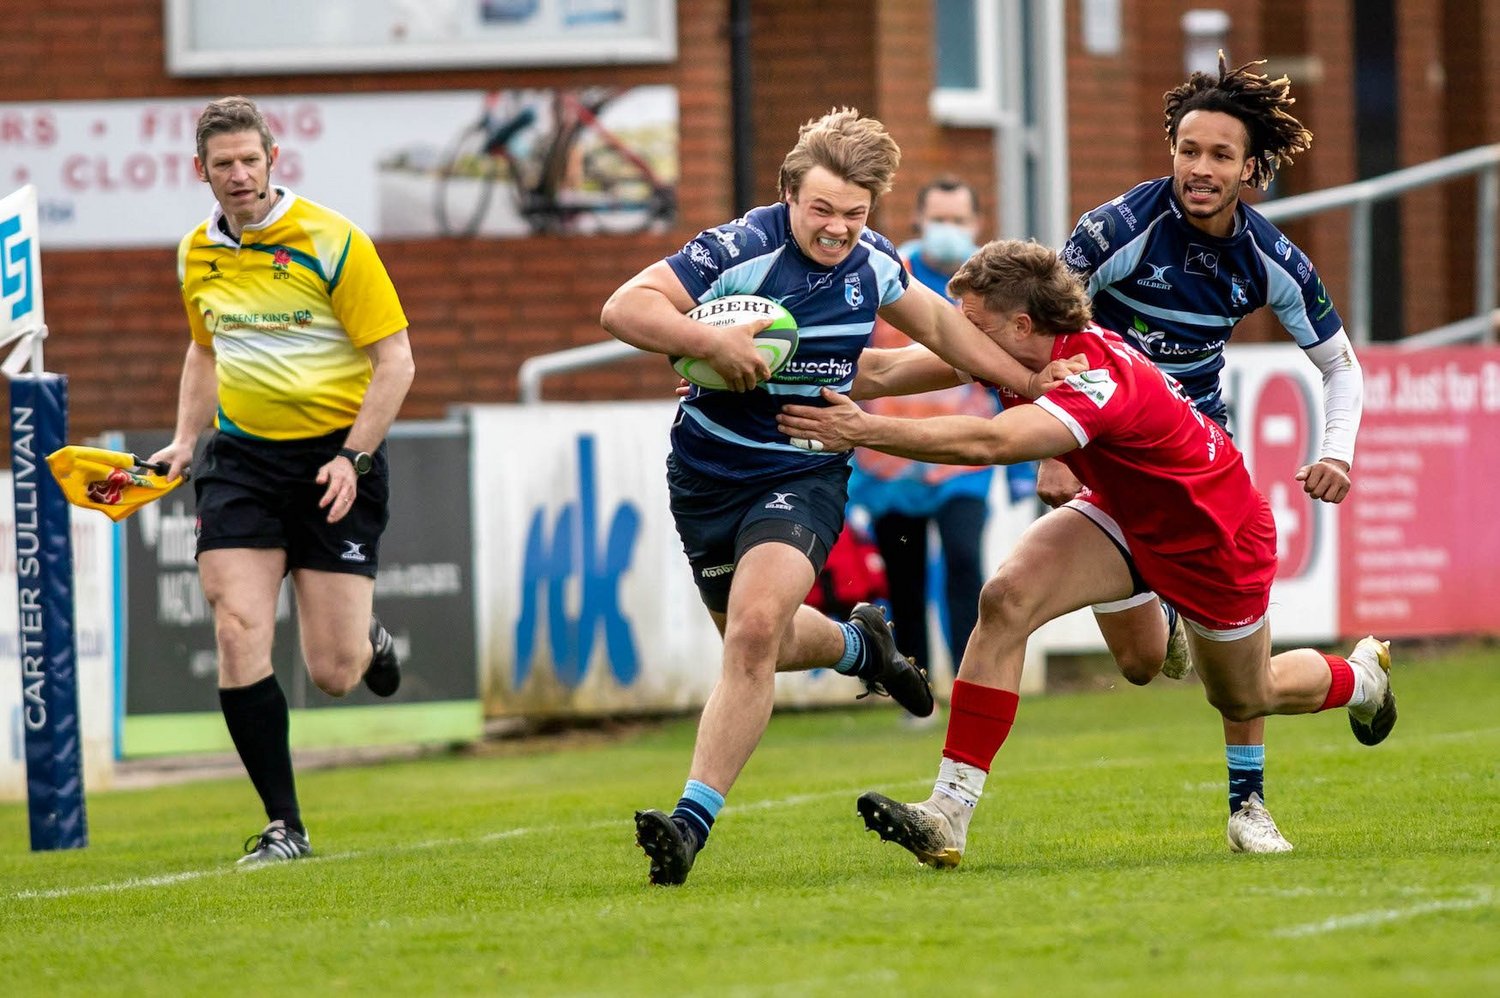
(1247, 773)
(853, 661)
(698, 807)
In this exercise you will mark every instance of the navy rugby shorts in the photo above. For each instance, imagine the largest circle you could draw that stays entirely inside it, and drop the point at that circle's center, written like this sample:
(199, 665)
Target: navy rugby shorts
(719, 521)
(264, 494)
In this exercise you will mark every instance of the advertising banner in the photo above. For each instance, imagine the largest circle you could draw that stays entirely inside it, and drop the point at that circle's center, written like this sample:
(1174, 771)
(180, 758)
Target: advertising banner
(1275, 396)
(94, 634)
(502, 163)
(1420, 535)
(586, 602)
(423, 594)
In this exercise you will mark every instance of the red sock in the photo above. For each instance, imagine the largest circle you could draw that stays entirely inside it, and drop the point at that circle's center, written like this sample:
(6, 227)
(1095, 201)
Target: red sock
(979, 718)
(1342, 687)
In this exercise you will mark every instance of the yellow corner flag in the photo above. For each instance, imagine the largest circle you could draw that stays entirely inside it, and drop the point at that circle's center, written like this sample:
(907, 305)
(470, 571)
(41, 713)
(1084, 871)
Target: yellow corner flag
(114, 482)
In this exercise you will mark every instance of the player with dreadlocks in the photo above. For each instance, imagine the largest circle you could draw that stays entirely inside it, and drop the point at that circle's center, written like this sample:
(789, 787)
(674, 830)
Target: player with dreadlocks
(1173, 265)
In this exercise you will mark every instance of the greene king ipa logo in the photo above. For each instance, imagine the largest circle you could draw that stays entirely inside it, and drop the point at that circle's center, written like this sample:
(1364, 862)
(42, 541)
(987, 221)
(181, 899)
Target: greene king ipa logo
(575, 552)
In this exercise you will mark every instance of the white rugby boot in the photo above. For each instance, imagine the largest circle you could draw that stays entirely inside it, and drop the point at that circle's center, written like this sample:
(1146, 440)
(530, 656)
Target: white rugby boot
(1372, 720)
(1177, 664)
(1252, 829)
(927, 830)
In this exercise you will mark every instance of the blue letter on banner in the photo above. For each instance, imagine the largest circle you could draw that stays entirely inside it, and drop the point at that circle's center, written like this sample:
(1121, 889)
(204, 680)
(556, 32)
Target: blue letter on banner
(44, 579)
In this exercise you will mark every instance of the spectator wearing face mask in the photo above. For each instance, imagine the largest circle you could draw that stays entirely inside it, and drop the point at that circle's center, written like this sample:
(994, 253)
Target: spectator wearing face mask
(903, 497)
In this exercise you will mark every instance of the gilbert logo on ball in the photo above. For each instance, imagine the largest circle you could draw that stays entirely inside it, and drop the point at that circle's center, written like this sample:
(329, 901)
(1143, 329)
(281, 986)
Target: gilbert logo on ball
(777, 343)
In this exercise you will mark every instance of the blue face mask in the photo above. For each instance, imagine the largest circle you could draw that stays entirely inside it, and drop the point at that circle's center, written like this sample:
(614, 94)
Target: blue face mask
(945, 245)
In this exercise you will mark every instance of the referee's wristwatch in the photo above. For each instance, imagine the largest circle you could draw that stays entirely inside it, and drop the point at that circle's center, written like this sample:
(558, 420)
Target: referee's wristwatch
(361, 460)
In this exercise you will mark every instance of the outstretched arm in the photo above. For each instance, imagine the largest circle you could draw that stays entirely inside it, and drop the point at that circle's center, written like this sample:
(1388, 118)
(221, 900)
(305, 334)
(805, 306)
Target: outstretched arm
(901, 371)
(933, 321)
(1021, 433)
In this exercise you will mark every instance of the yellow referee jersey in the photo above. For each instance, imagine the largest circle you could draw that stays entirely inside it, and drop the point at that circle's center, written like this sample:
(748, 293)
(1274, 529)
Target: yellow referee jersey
(287, 311)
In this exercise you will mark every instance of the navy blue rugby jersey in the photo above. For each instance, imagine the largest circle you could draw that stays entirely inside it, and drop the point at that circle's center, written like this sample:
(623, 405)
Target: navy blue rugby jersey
(733, 435)
(1177, 293)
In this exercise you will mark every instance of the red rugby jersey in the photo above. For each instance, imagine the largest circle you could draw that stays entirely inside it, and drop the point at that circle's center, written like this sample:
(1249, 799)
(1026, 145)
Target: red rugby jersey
(1172, 477)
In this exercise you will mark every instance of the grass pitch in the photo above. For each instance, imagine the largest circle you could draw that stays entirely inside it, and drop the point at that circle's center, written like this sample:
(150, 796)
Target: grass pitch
(1096, 865)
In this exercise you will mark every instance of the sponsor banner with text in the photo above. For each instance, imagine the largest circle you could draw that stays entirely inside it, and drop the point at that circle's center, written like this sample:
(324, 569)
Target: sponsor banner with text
(501, 163)
(1420, 536)
(587, 605)
(94, 632)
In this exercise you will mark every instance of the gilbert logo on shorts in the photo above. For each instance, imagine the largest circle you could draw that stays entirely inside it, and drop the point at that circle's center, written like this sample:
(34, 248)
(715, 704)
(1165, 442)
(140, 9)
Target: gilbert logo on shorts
(782, 500)
(354, 551)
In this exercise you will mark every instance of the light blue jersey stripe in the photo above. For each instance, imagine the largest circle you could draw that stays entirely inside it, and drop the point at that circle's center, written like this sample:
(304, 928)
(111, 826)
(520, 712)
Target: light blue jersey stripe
(1177, 370)
(1285, 297)
(807, 391)
(743, 278)
(860, 329)
(729, 436)
(1119, 266)
(887, 277)
(1173, 315)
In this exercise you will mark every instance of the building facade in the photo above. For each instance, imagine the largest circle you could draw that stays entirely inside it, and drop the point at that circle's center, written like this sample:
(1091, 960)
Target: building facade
(1381, 84)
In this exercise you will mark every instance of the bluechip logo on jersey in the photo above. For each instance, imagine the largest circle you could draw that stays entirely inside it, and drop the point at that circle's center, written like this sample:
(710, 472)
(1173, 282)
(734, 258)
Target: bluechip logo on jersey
(574, 552)
(828, 371)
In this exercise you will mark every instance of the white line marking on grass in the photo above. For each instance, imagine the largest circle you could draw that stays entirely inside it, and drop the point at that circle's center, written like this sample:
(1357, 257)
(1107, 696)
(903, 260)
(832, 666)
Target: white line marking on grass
(168, 879)
(119, 885)
(1359, 920)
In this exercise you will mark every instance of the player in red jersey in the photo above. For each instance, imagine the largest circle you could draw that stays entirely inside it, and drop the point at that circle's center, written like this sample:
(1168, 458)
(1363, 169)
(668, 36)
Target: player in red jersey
(1168, 507)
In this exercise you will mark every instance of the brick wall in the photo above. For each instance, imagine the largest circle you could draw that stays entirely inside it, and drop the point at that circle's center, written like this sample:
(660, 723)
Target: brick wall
(478, 307)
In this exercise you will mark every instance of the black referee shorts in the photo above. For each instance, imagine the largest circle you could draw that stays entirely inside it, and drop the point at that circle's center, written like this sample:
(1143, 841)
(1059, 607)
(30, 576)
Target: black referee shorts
(264, 494)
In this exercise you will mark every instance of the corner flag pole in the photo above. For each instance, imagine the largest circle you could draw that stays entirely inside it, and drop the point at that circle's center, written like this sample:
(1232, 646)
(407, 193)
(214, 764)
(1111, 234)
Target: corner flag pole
(44, 544)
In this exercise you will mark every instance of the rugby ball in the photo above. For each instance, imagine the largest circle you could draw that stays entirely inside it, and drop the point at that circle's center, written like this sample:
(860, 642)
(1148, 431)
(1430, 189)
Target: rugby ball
(776, 342)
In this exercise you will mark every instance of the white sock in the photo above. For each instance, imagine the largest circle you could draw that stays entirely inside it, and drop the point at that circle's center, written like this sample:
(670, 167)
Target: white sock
(961, 782)
(1360, 694)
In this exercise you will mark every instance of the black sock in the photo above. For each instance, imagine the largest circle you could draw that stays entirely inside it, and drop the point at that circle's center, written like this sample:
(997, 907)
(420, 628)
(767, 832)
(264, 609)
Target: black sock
(258, 723)
(1243, 783)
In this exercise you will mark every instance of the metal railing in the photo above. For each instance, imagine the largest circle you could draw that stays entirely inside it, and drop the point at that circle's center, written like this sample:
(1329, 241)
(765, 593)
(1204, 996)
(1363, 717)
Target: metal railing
(534, 369)
(1360, 196)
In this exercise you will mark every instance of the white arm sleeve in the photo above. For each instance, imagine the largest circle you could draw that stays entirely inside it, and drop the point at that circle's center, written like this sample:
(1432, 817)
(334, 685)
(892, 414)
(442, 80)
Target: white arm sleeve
(1343, 395)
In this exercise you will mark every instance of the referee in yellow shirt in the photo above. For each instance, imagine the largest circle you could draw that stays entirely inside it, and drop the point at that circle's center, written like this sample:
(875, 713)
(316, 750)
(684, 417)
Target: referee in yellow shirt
(300, 358)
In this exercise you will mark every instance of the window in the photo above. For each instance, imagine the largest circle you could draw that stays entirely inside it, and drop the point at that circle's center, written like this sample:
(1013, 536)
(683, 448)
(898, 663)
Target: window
(212, 38)
(966, 42)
